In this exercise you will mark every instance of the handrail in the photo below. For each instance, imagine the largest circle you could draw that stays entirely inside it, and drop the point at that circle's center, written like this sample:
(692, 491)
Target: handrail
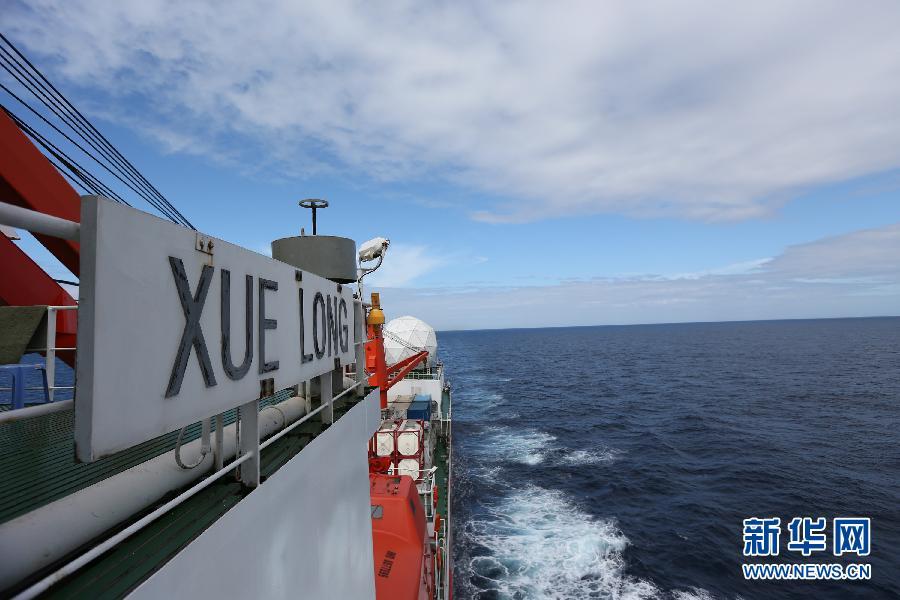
(305, 418)
(37, 410)
(50, 362)
(49, 367)
(44, 584)
(422, 376)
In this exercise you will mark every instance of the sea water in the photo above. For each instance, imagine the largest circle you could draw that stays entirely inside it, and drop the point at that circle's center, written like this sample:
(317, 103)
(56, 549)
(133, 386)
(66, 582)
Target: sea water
(620, 462)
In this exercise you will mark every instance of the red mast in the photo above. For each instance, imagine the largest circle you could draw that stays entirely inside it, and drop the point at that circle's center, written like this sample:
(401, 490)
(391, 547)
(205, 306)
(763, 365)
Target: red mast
(29, 180)
(383, 376)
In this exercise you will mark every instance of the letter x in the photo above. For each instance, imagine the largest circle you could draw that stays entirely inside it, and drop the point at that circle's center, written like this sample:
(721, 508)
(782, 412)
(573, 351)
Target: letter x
(193, 333)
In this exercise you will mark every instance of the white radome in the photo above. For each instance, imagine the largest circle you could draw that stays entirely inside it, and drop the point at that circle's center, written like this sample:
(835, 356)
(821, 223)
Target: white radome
(412, 333)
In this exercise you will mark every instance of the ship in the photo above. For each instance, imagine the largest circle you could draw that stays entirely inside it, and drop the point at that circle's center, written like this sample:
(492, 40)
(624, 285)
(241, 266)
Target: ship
(208, 422)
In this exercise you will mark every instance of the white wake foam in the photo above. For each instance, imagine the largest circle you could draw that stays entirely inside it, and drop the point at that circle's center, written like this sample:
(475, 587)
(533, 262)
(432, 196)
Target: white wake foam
(694, 594)
(528, 447)
(578, 458)
(535, 543)
(532, 447)
(541, 546)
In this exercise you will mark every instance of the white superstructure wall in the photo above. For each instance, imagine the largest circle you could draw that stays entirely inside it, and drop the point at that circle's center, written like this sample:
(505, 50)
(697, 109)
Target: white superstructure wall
(305, 532)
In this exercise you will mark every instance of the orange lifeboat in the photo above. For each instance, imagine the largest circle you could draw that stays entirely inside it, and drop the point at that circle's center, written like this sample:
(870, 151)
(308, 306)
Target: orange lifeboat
(404, 565)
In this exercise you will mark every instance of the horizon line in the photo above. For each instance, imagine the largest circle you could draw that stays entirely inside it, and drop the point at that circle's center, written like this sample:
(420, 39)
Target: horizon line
(671, 323)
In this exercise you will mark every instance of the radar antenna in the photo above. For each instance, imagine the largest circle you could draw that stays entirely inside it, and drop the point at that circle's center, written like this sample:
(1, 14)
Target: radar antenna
(314, 204)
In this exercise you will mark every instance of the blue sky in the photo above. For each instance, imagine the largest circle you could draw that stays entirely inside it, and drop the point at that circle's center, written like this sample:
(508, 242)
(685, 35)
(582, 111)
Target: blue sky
(532, 166)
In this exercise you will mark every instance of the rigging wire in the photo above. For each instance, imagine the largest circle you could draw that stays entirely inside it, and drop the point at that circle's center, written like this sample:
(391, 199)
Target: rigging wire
(52, 97)
(41, 95)
(31, 78)
(30, 84)
(62, 133)
(401, 341)
(54, 108)
(63, 162)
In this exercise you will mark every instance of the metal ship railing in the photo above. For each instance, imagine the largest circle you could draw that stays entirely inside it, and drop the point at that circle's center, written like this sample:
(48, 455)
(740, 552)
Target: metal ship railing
(426, 489)
(247, 450)
(424, 375)
(18, 413)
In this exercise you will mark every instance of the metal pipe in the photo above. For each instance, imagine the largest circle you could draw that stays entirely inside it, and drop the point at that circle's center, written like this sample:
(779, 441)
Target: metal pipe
(38, 222)
(38, 410)
(296, 424)
(34, 540)
(44, 584)
(287, 430)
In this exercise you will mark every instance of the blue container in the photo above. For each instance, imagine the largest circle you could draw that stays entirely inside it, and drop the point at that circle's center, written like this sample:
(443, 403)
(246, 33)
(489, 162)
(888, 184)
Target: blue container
(419, 409)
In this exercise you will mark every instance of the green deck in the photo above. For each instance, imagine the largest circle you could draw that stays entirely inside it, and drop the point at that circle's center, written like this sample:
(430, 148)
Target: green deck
(38, 460)
(441, 460)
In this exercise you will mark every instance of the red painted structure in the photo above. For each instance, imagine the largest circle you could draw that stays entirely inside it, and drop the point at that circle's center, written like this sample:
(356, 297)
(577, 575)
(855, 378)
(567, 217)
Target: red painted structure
(382, 376)
(398, 371)
(375, 363)
(29, 180)
(404, 561)
(24, 283)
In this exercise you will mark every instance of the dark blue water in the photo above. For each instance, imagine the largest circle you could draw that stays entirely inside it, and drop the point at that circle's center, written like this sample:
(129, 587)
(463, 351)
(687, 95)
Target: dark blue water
(34, 383)
(619, 462)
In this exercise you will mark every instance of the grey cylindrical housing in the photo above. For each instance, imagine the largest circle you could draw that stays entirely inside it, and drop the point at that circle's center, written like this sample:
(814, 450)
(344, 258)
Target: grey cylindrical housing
(330, 256)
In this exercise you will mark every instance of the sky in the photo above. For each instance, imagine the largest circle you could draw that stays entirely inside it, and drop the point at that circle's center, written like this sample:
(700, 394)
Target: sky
(532, 163)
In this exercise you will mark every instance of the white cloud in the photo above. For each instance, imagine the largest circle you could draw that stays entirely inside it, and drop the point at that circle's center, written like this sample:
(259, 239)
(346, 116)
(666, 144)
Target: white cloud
(868, 254)
(739, 268)
(702, 110)
(403, 265)
(856, 274)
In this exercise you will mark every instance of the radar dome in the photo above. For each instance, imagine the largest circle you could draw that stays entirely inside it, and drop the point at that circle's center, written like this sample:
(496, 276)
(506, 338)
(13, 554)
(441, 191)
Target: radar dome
(405, 336)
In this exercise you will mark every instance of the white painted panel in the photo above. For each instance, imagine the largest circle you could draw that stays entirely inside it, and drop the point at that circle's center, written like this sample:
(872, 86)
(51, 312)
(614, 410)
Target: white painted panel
(306, 532)
(131, 320)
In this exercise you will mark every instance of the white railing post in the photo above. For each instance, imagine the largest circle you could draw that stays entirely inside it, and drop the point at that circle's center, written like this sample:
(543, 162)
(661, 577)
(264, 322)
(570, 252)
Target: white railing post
(50, 362)
(326, 397)
(220, 442)
(249, 444)
(359, 326)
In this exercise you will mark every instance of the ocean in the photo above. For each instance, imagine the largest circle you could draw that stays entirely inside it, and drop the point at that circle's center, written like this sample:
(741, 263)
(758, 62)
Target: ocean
(621, 461)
